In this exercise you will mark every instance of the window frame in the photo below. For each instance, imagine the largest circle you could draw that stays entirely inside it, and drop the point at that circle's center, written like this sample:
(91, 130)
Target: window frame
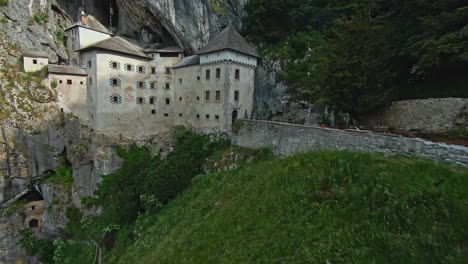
(236, 96)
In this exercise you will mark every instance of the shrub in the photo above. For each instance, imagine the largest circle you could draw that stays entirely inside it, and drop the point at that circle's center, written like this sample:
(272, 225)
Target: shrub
(3, 2)
(60, 36)
(41, 18)
(34, 246)
(53, 84)
(15, 207)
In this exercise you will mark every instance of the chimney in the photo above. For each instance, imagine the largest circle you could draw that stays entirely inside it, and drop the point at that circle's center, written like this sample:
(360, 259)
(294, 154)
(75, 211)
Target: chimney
(83, 18)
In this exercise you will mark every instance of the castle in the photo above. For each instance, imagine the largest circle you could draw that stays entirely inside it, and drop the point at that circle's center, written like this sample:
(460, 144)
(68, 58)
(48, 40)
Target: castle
(120, 88)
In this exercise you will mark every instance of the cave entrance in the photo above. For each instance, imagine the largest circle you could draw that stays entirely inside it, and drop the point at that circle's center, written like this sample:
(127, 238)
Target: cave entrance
(112, 13)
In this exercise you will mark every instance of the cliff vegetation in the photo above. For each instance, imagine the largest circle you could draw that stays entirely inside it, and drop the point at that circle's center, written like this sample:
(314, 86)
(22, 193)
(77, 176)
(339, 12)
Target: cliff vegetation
(336, 207)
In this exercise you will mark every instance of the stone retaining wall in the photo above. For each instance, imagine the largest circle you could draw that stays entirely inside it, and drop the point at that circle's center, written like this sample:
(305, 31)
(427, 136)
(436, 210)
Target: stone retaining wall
(288, 139)
(425, 115)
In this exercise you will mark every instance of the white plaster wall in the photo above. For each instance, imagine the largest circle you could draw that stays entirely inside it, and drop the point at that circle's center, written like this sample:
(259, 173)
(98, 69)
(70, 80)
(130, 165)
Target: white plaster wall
(128, 118)
(72, 98)
(190, 88)
(160, 92)
(29, 66)
(245, 86)
(92, 96)
(228, 55)
(89, 36)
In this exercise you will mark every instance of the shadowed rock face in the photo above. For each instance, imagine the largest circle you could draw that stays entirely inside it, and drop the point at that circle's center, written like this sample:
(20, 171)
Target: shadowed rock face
(188, 23)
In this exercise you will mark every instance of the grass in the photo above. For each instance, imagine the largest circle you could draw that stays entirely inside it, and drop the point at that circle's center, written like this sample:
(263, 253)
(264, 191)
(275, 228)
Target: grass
(326, 207)
(3, 2)
(459, 132)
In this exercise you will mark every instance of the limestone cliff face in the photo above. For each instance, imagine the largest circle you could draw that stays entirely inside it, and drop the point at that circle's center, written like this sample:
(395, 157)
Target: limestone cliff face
(34, 25)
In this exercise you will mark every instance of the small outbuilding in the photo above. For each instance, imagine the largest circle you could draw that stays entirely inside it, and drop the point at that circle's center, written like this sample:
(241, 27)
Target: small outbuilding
(34, 60)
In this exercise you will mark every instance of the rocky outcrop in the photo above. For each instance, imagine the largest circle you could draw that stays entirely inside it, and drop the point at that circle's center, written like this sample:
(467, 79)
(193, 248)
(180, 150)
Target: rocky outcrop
(35, 25)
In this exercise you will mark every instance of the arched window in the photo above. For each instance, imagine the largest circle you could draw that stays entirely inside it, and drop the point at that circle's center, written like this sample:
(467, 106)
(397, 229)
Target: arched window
(33, 223)
(141, 100)
(141, 85)
(114, 65)
(116, 99)
(115, 82)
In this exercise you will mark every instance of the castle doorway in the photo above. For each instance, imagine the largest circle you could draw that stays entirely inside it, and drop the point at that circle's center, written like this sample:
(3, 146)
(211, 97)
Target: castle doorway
(235, 113)
(33, 223)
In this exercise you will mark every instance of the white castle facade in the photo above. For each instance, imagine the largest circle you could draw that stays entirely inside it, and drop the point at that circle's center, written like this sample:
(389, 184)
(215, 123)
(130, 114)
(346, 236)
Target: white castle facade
(117, 87)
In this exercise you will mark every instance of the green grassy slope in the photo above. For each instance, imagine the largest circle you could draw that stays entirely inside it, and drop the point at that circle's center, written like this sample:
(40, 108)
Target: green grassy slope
(338, 207)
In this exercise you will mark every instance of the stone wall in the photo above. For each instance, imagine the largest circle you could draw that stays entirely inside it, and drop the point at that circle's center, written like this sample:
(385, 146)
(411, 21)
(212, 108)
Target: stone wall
(426, 115)
(288, 139)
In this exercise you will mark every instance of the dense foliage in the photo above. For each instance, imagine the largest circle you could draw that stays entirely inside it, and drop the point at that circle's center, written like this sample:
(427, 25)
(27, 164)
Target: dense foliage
(357, 55)
(329, 207)
(142, 186)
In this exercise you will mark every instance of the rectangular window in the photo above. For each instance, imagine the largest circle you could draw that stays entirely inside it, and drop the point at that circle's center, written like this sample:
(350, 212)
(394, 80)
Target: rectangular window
(151, 100)
(198, 78)
(34, 61)
(207, 116)
(218, 73)
(180, 114)
(141, 69)
(198, 116)
(168, 86)
(115, 65)
(217, 117)
(69, 82)
(166, 114)
(90, 80)
(237, 74)
(153, 70)
(81, 83)
(168, 70)
(153, 112)
(236, 96)
(168, 101)
(207, 74)
(152, 85)
(218, 95)
(207, 95)
(180, 98)
(198, 98)
(60, 81)
(90, 64)
(180, 80)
